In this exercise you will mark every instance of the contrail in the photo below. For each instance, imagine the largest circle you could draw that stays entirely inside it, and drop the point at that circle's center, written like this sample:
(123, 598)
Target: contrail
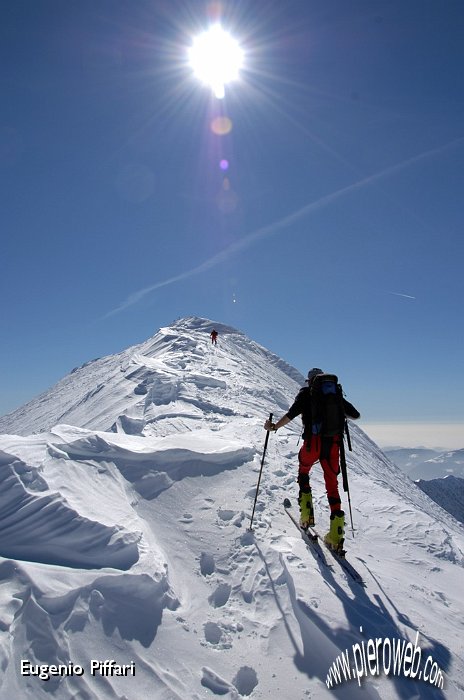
(398, 294)
(272, 229)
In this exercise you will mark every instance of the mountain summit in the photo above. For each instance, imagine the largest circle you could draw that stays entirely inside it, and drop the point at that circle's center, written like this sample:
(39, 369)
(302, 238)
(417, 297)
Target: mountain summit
(126, 496)
(141, 389)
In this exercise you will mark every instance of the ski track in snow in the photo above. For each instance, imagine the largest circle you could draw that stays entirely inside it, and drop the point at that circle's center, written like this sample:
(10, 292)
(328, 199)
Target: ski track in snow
(124, 535)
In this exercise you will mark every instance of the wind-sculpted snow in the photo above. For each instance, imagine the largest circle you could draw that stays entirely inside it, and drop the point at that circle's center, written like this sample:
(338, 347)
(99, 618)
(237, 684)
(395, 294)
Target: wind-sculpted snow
(152, 465)
(39, 526)
(124, 538)
(49, 625)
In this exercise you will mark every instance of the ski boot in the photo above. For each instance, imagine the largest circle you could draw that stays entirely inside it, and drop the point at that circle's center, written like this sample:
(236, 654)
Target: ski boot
(335, 538)
(305, 501)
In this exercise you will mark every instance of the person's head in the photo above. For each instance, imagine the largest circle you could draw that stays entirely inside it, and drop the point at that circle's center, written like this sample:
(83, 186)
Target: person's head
(313, 373)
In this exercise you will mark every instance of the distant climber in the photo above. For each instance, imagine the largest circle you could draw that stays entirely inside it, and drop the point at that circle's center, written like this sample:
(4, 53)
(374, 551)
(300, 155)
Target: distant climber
(214, 336)
(323, 410)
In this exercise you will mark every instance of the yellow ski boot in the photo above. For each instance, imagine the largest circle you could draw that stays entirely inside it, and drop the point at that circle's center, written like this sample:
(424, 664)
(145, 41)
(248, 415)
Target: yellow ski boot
(305, 501)
(335, 538)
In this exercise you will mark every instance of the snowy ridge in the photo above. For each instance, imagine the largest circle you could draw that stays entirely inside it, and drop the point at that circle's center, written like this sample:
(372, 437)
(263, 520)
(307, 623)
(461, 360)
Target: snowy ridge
(123, 535)
(145, 383)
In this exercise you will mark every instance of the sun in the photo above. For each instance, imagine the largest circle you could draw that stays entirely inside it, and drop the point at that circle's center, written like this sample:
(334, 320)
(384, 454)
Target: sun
(216, 59)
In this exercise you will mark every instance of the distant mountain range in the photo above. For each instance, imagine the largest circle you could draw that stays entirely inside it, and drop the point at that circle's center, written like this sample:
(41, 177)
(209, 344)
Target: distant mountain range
(423, 463)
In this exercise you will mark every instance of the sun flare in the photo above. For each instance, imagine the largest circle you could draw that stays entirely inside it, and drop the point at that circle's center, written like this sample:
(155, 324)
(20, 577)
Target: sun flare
(216, 59)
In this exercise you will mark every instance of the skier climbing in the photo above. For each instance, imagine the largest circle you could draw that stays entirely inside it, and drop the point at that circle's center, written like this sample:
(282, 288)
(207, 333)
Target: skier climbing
(214, 335)
(323, 415)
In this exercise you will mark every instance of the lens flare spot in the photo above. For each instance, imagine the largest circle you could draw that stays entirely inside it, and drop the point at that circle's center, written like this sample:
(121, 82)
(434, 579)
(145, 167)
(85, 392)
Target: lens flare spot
(221, 126)
(227, 200)
(224, 164)
(215, 10)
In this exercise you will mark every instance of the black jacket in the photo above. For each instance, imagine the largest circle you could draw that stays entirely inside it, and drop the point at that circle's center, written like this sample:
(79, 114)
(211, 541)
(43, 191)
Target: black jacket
(302, 406)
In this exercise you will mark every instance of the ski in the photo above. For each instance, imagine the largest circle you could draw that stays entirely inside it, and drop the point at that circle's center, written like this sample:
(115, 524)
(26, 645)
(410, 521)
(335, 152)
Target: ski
(340, 553)
(311, 539)
(311, 536)
(346, 566)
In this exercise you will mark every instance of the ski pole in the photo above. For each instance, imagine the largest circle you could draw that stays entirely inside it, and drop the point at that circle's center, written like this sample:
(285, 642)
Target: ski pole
(351, 513)
(348, 438)
(260, 472)
(346, 486)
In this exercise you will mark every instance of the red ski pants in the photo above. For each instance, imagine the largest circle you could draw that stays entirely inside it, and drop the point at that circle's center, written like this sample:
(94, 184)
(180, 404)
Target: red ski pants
(327, 451)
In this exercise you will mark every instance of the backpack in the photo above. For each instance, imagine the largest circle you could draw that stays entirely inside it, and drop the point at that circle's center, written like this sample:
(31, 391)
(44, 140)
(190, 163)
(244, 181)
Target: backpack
(327, 409)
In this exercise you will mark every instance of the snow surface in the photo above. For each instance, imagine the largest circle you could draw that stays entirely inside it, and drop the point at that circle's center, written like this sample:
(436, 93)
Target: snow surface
(125, 504)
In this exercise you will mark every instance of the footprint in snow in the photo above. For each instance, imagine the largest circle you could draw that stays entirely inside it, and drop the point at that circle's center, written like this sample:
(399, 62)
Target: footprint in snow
(214, 682)
(231, 516)
(213, 633)
(220, 596)
(186, 519)
(226, 515)
(220, 635)
(246, 680)
(207, 564)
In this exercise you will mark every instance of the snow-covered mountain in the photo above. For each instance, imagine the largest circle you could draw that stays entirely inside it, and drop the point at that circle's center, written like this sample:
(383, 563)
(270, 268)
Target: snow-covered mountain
(447, 492)
(423, 463)
(124, 515)
(444, 464)
(147, 388)
(408, 458)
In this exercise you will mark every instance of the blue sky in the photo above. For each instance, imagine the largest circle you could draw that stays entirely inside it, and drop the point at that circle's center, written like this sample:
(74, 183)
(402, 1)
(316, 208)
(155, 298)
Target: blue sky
(332, 234)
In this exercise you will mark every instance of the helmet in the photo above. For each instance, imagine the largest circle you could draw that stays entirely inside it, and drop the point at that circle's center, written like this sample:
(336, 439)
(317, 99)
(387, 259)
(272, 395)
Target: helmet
(313, 373)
